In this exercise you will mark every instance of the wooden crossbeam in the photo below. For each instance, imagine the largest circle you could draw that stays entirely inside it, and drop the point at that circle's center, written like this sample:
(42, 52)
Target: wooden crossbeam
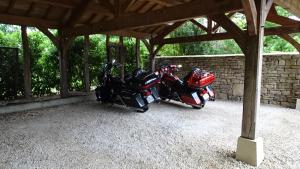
(191, 10)
(199, 25)
(225, 36)
(238, 35)
(251, 16)
(217, 26)
(54, 39)
(29, 21)
(166, 31)
(291, 40)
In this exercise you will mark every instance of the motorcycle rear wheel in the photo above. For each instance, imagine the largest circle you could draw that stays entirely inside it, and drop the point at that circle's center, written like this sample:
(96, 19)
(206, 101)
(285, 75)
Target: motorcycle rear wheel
(143, 109)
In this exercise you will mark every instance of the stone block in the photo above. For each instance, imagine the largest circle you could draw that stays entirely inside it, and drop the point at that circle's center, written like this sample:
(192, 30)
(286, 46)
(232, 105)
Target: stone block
(298, 104)
(250, 151)
(238, 89)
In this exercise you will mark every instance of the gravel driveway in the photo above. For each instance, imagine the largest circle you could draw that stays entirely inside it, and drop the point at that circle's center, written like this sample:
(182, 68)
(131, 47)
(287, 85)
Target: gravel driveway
(91, 135)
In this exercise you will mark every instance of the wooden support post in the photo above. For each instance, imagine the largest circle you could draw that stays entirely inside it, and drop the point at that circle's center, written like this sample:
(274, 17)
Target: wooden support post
(253, 74)
(152, 58)
(26, 56)
(86, 63)
(138, 53)
(250, 148)
(107, 48)
(63, 66)
(123, 59)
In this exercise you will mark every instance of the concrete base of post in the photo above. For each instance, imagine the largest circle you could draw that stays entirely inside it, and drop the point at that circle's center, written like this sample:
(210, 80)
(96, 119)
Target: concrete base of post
(250, 151)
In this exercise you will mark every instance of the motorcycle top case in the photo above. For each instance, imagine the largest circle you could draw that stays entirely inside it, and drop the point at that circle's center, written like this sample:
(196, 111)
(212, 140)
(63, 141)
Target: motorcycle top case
(199, 79)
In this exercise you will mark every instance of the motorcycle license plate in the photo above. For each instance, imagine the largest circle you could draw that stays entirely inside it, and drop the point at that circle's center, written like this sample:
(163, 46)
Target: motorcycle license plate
(150, 99)
(206, 96)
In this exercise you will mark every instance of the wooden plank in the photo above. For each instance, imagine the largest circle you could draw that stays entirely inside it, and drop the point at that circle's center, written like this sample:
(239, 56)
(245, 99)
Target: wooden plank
(29, 21)
(26, 57)
(86, 63)
(291, 40)
(251, 16)
(191, 10)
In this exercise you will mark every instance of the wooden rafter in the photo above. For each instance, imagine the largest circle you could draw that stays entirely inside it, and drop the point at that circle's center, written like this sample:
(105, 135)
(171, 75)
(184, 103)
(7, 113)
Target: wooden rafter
(30, 9)
(78, 12)
(191, 10)
(251, 16)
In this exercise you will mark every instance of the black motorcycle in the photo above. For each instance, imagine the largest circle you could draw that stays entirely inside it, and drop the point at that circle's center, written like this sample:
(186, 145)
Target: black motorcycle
(137, 90)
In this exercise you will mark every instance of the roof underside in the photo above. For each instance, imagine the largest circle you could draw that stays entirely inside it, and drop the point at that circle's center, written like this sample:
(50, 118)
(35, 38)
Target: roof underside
(137, 18)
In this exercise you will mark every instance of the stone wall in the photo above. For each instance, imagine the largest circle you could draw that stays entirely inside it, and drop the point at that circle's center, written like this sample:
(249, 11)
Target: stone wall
(280, 83)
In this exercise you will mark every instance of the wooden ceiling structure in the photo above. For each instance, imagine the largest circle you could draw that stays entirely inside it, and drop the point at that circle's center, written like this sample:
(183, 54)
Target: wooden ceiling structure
(152, 21)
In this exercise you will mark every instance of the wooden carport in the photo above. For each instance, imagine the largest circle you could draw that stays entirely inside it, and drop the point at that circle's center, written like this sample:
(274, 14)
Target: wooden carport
(151, 21)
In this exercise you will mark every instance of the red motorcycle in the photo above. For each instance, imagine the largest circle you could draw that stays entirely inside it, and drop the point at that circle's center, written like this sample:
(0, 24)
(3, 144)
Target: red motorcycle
(195, 89)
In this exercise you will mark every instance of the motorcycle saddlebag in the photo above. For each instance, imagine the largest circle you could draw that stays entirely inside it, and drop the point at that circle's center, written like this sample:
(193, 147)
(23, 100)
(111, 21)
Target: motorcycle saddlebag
(132, 99)
(199, 79)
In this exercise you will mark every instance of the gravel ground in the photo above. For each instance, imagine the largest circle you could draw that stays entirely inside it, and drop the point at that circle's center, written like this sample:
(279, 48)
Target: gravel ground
(91, 135)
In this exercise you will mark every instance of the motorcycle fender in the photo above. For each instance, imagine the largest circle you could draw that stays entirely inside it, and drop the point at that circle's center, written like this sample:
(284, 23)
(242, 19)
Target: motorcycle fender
(191, 99)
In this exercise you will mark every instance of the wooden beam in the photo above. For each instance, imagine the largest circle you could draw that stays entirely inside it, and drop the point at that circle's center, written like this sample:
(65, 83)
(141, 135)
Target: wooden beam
(86, 63)
(209, 26)
(238, 35)
(147, 44)
(217, 26)
(225, 36)
(130, 33)
(199, 25)
(291, 40)
(166, 31)
(29, 21)
(191, 10)
(199, 38)
(49, 34)
(251, 16)
(26, 57)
